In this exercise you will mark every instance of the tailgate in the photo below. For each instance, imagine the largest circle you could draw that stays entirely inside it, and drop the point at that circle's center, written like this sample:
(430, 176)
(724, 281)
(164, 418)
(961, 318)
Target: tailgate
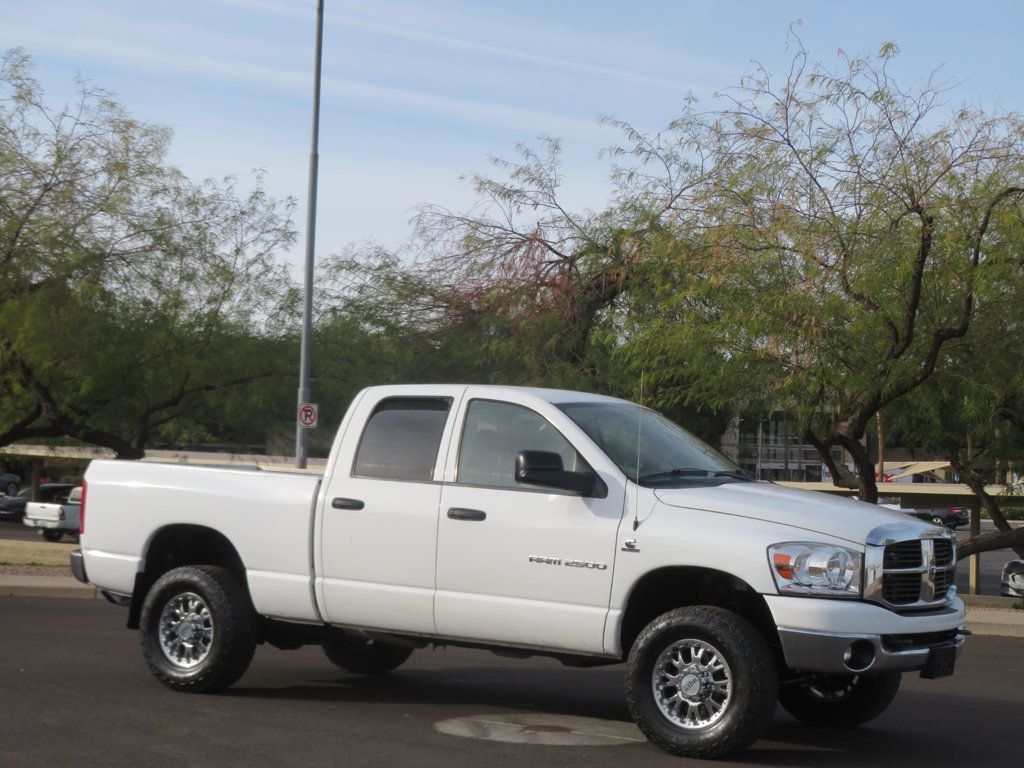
(49, 513)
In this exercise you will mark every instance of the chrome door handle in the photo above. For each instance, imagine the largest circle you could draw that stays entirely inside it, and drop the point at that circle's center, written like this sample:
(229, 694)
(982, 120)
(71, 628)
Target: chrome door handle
(459, 513)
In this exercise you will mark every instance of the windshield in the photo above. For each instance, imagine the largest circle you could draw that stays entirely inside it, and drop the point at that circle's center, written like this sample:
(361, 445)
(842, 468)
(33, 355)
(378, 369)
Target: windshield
(667, 453)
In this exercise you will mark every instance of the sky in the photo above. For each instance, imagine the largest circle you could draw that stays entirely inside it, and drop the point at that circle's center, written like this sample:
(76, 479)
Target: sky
(418, 95)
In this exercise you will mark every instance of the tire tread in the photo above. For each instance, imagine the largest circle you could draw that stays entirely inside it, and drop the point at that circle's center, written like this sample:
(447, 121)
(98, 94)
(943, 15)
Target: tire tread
(761, 694)
(235, 625)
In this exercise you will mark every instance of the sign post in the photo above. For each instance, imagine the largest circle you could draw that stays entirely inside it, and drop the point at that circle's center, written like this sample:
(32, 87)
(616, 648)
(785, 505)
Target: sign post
(301, 444)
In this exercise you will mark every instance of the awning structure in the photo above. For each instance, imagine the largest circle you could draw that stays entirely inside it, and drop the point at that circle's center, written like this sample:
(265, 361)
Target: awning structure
(909, 469)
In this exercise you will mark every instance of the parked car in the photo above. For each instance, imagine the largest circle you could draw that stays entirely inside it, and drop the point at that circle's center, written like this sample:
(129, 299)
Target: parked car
(950, 517)
(532, 521)
(1012, 582)
(13, 507)
(56, 518)
(10, 483)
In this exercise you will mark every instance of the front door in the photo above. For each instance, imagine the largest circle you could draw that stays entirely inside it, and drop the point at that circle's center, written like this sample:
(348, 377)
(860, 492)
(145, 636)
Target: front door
(515, 563)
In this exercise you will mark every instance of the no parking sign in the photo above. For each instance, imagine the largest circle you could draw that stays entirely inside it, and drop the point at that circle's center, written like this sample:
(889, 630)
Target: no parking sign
(309, 415)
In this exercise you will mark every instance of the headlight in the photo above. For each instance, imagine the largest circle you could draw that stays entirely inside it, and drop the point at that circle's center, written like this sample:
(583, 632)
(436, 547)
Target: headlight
(822, 570)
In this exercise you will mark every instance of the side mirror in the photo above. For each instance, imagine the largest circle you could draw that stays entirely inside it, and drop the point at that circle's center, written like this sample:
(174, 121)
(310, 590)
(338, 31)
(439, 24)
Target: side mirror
(545, 468)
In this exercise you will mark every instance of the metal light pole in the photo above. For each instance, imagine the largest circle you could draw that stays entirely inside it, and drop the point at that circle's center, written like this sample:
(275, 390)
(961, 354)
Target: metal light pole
(301, 433)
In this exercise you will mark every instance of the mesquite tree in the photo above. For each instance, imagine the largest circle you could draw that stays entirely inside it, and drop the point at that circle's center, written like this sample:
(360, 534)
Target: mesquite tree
(129, 294)
(843, 235)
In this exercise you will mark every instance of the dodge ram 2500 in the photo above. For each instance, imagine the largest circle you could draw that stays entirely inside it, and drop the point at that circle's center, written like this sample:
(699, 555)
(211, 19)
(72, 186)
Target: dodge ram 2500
(532, 521)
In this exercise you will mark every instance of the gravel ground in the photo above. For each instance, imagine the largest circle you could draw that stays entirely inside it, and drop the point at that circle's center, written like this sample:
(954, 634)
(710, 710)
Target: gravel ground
(33, 570)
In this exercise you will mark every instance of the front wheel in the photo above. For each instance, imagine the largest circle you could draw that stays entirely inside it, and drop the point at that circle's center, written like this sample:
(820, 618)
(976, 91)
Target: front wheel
(198, 629)
(840, 701)
(701, 682)
(365, 657)
(11, 489)
(52, 535)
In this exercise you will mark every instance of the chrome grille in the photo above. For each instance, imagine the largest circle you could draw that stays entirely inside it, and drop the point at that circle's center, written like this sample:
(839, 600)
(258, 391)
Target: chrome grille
(911, 574)
(901, 588)
(905, 554)
(943, 552)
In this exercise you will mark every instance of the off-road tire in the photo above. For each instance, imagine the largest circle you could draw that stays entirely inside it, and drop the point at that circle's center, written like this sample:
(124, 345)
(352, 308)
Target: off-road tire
(840, 701)
(365, 657)
(233, 622)
(752, 670)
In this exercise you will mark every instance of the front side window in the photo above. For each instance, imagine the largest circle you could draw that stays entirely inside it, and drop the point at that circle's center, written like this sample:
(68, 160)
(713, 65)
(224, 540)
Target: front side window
(401, 439)
(493, 436)
(649, 448)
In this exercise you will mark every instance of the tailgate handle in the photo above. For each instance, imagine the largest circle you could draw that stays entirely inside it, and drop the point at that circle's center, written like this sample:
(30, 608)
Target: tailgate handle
(459, 513)
(341, 503)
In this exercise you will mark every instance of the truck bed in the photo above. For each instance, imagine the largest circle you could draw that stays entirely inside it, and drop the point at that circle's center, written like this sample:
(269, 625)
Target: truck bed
(266, 516)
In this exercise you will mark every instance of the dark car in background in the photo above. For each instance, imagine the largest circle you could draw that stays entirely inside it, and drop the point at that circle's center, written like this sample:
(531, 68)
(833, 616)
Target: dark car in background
(10, 483)
(951, 517)
(13, 507)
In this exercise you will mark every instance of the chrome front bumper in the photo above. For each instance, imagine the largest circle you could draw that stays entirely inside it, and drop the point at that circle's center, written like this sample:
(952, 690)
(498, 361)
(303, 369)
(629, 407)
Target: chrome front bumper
(846, 653)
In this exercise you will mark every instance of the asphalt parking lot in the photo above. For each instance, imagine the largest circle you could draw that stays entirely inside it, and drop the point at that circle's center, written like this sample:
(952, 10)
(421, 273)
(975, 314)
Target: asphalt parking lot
(75, 692)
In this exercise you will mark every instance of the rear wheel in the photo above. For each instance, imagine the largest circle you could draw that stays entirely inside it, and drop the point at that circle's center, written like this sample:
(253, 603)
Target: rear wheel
(53, 535)
(365, 657)
(11, 489)
(198, 629)
(701, 682)
(840, 701)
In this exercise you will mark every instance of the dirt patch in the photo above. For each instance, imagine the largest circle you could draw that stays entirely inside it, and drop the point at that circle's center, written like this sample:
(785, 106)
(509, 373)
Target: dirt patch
(33, 570)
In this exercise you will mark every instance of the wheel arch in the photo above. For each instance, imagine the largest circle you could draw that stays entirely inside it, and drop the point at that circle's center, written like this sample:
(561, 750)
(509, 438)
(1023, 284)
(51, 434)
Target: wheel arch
(182, 544)
(672, 587)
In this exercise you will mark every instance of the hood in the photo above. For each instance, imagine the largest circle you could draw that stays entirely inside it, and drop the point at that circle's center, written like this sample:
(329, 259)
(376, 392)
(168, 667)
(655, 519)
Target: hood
(810, 511)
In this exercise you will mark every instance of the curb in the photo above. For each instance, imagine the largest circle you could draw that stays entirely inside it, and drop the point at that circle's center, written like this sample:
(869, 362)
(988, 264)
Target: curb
(46, 586)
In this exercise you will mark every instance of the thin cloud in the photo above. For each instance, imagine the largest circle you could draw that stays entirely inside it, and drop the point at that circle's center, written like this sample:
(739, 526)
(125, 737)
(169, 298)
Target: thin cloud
(386, 98)
(461, 44)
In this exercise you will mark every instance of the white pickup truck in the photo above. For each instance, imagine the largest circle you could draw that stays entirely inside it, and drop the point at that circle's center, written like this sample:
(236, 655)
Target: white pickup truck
(56, 517)
(532, 521)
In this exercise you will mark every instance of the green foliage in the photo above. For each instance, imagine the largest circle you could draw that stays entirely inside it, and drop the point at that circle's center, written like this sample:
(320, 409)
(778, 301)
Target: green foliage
(129, 293)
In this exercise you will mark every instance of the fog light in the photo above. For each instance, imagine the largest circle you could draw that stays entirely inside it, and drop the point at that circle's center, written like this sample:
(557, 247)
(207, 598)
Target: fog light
(859, 656)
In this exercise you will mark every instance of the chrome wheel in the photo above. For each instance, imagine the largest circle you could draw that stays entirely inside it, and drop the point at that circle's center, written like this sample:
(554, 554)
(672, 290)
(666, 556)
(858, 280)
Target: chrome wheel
(692, 684)
(186, 630)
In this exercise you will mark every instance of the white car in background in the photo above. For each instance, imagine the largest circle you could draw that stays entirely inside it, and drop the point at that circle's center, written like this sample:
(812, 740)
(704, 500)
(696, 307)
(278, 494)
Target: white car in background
(1012, 582)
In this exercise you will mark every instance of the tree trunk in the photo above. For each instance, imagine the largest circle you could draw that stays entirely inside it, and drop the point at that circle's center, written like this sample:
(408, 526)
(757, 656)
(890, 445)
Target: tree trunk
(1006, 532)
(840, 477)
(989, 542)
(867, 487)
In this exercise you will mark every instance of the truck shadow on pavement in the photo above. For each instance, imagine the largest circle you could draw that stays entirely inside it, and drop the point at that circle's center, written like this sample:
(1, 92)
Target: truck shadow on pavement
(921, 729)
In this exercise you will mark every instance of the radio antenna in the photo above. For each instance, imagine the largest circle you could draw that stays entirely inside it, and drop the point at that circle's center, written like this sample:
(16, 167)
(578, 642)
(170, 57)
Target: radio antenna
(639, 434)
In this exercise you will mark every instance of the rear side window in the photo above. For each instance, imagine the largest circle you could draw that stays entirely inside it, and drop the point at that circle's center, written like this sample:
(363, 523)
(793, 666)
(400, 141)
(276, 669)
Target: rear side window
(401, 439)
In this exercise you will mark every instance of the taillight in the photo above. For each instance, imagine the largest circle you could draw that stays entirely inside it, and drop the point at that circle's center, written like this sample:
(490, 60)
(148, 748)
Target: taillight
(81, 510)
